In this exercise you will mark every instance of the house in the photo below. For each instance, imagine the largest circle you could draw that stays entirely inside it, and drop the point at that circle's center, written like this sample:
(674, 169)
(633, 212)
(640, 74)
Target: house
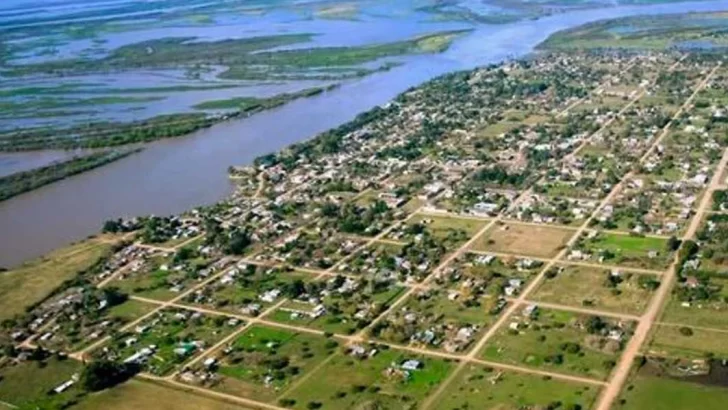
(411, 365)
(270, 296)
(530, 310)
(209, 362)
(692, 282)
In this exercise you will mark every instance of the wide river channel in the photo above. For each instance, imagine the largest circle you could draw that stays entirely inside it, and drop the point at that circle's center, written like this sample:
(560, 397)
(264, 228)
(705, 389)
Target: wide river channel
(175, 175)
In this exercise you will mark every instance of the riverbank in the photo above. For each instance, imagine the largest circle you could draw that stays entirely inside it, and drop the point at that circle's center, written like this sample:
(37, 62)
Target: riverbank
(175, 175)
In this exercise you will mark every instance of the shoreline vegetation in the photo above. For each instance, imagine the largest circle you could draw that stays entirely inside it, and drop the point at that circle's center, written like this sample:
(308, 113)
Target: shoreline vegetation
(253, 58)
(703, 30)
(173, 53)
(256, 104)
(21, 182)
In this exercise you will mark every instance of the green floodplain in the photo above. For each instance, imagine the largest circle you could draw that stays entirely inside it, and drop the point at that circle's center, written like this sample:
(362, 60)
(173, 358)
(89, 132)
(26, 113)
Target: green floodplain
(681, 31)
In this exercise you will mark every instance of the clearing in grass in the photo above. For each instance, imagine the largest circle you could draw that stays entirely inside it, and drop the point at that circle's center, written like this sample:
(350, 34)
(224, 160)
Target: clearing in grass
(624, 250)
(29, 384)
(519, 239)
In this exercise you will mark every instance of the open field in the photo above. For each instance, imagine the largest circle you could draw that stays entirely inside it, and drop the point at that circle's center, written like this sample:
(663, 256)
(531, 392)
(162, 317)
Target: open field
(348, 382)
(539, 241)
(678, 341)
(599, 289)
(26, 385)
(139, 394)
(627, 250)
(487, 388)
(263, 362)
(559, 341)
(662, 393)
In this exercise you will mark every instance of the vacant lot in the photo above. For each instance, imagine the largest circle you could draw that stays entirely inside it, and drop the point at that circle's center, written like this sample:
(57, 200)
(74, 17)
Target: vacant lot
(27, 384)
(480, 387)
(704, 313)
(263, 361)
(660, 393)
(676, 340)
(376, 382)
(33, 281)
(538, 241)
(630, 251)
(597, 288)
(139, 395)
(558, 341)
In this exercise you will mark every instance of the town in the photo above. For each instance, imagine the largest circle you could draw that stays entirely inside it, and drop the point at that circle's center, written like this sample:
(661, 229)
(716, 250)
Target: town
(555, 222)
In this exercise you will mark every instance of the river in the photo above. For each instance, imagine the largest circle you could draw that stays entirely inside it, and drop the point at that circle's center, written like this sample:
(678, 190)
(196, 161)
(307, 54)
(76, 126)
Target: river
(175, 175)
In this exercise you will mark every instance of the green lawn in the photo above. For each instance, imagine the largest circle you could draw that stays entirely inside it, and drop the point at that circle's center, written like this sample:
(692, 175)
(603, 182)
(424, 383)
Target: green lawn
(555, 341)
(670, 340)
(631, 251)
(480, 387)
(660, 393)
(27, 384)
(260, 352)
(350, 383)
(588, 287)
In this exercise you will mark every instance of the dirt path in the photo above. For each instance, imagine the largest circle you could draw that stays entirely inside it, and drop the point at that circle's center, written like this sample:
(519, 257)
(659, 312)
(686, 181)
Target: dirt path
(522, 298)
(621, 372)
(212, 393)
(592, 312)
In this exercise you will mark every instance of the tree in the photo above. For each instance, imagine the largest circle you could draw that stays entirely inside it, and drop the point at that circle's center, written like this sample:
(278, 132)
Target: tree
(112, 226)
(103, 374)
(686, 331)
(673, 244)
(114, 296)
(239, 240)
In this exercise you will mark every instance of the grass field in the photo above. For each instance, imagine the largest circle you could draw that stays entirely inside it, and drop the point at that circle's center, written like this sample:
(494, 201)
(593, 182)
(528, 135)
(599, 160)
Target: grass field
(27, 384)
(707, 313)
(350, 383)
(588, 287)
(660, 393)
(480, 387)
(169, 330)
(257, 354)
(454, 231)
(556, 341)
(73, 335)
(140, 395)
(631, 251)
(32, 282)
(671, 341)
(538, 241)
